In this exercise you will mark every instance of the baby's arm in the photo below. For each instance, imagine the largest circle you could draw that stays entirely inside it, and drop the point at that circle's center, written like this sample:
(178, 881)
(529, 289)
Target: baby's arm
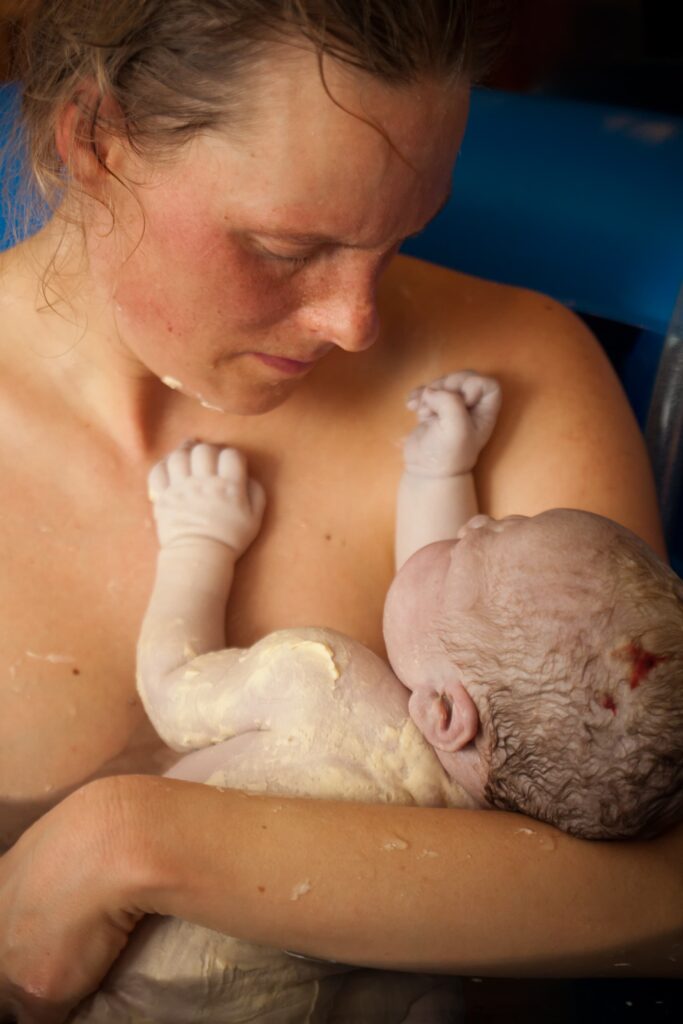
(207, 512)
(436, 496)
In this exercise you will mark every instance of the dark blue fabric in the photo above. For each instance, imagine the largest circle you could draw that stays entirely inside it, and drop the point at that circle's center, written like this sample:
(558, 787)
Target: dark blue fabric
(578, 200)
(13, 222)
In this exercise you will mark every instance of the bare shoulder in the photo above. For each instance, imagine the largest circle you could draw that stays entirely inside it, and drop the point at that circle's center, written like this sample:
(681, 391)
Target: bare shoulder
(566, 435)
(455, 313)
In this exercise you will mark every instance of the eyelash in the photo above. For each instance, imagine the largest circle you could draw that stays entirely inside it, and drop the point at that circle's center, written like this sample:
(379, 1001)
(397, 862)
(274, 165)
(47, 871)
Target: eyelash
(294, 261)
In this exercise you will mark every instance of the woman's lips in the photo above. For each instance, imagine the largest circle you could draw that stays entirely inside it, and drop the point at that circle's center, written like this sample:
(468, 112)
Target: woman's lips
(291, 367)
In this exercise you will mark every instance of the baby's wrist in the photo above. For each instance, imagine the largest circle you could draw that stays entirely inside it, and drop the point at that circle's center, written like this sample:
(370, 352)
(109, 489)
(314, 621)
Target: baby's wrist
(193, 547)
(425, 473)
(204, 564)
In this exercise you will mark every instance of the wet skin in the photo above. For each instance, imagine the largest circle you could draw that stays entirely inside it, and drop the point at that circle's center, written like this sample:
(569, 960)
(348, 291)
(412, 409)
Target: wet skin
(220, 294)
(87, 415)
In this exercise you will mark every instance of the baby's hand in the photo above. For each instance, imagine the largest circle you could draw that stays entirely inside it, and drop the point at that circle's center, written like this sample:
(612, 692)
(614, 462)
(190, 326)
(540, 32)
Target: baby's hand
(203, 490)
(456, 416)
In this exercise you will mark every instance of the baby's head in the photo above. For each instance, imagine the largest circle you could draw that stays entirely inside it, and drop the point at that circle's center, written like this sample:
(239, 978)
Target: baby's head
(545, 659)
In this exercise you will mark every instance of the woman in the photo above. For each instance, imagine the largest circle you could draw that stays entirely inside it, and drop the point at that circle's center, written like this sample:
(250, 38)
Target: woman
(235, 178)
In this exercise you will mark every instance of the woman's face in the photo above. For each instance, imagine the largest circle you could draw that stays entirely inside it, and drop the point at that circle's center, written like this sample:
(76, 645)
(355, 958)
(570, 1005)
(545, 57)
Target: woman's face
(262, 250)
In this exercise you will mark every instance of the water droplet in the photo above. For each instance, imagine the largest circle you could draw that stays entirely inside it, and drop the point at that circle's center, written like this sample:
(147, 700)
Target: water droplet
(395, 843)
(300, 890)
(547, 843)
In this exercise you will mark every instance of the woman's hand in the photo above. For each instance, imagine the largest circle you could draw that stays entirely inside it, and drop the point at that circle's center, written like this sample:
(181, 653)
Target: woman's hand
(63, 919)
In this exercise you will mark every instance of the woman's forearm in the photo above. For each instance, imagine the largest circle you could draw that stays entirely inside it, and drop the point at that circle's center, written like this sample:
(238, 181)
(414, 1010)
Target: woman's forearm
(412, 888)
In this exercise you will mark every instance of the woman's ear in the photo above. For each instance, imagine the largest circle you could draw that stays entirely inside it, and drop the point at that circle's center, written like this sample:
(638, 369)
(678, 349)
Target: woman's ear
(82, 143)
(447, 717)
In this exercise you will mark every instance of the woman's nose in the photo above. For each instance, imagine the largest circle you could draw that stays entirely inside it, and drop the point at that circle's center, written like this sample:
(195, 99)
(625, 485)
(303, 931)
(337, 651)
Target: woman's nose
(352, 326)
(344, 312)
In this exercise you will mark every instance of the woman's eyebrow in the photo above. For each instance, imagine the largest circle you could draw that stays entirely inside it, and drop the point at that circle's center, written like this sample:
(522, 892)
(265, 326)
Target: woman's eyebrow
(317, 238)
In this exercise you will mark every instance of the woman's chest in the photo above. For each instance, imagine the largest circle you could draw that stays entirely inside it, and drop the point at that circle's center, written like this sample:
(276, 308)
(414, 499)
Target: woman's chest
(77, 566)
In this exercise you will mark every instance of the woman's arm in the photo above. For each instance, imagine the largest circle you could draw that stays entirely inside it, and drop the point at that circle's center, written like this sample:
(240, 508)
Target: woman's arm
(62, 904)
(470, 892)
(422, 889)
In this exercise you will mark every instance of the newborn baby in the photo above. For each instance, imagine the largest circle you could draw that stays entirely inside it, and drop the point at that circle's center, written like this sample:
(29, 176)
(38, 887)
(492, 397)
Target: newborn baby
(537, 668)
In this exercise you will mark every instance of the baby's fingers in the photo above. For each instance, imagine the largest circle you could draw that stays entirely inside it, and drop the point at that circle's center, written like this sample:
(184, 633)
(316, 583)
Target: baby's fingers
(446, 406)
(481, 389)
(157, 481)
(257, 500)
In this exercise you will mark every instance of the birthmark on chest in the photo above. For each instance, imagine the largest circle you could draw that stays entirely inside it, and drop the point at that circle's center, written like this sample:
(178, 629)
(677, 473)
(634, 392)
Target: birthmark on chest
(641, 660)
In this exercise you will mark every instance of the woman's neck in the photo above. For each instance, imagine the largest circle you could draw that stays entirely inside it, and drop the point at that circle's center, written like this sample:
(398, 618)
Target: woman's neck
(59, 328)
(59, 333)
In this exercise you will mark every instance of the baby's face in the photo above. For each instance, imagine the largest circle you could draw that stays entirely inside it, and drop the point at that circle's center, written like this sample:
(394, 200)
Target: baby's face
(449, 600)
(449, 582)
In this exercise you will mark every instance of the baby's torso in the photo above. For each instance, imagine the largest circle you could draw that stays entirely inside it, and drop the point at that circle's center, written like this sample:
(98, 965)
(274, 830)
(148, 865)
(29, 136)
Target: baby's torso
(326, 718)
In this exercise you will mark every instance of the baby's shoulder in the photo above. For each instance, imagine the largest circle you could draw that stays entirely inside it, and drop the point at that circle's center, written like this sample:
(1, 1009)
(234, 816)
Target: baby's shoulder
(322, 672)
(318, 654)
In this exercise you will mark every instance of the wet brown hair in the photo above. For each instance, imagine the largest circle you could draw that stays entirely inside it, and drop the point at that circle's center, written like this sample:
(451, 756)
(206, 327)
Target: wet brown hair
(176, 68)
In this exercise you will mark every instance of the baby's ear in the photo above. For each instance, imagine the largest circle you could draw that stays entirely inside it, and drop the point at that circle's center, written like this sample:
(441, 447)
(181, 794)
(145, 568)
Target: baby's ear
(447, 717)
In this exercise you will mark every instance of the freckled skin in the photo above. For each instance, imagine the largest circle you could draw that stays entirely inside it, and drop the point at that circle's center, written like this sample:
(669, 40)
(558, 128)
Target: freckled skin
(257, 291)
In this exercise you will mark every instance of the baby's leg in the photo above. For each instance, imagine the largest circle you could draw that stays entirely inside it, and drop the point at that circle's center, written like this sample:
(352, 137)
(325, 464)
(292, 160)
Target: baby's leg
(436, 496)
(207, 512)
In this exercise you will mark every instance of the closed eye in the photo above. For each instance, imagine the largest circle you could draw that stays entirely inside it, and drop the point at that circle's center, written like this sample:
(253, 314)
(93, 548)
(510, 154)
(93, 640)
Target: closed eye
(294, 260)
(297, 261)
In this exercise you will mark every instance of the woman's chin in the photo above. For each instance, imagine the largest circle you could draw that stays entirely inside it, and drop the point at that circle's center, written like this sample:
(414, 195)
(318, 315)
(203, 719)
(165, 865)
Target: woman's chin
(245, 399)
